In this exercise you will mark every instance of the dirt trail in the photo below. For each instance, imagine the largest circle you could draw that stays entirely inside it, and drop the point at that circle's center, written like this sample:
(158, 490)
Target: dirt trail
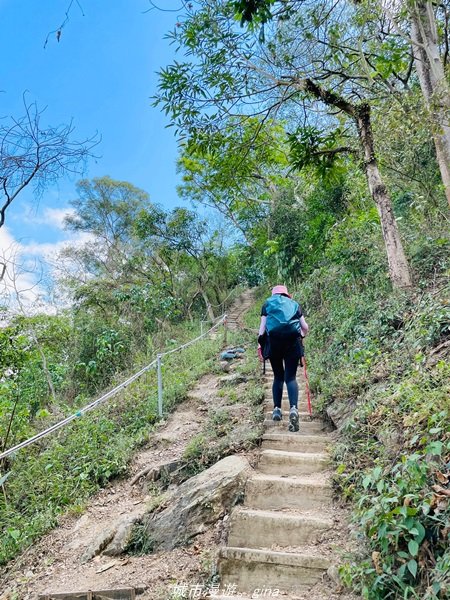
(57, 562)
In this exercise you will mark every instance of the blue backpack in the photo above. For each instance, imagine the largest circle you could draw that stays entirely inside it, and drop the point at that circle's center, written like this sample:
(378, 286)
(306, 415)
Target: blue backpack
(282, 317)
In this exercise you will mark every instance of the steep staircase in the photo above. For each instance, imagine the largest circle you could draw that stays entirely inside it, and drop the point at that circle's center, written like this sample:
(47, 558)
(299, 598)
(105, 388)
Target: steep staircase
(272, 542)
(238, 308)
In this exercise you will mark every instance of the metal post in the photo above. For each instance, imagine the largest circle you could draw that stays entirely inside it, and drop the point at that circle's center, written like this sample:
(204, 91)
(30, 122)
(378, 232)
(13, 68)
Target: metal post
(160, 387)
(201, 327)
(225, 328)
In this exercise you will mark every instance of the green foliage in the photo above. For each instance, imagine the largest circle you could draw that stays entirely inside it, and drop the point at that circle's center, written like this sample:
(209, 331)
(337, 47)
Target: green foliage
(234, 174)
(106, 208)
(43, 485)
(301, 215)
(47, 480)
(430, 256)
(108, 355)
(370, 358)
(24, 390)
(356, 244)
(253, 11)
(311, 147)
(398, 505)
(300, 229)
(146, 267)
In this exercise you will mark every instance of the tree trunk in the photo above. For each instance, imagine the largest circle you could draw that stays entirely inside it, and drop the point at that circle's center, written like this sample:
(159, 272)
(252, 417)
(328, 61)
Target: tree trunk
(435, 88)
(398, 265)
(209, 309)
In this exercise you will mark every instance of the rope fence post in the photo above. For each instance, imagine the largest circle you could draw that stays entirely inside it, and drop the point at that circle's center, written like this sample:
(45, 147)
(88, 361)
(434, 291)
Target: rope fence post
(98, 401)
(225, 328)
(160, 386)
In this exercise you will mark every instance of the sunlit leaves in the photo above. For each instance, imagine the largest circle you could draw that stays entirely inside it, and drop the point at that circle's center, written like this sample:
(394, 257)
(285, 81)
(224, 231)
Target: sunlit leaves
(236, 169)
(323, 150)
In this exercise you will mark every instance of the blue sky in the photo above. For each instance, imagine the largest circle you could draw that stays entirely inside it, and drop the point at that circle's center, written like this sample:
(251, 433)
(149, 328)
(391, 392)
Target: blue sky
(101, 74)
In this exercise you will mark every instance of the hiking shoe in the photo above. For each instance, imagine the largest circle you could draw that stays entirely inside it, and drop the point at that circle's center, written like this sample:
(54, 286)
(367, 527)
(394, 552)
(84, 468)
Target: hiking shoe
(276, 414)
(293, 419)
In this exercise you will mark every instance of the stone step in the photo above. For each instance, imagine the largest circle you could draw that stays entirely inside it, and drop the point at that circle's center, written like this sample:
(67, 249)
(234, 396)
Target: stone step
(293, 442)
(306, 427)
(303, 416)
(273, 492)
(280, 462)
(262, 528)
(249, 569)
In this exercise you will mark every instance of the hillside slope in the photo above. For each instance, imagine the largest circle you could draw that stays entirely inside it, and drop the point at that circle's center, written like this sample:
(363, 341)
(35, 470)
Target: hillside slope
(380, 370)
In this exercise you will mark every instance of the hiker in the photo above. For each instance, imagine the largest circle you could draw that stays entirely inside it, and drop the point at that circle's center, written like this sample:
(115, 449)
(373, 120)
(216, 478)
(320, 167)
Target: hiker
(280, 336)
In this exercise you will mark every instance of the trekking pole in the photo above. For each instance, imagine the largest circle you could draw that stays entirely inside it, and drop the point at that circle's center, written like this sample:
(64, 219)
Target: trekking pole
(308, 393)
(264, 366)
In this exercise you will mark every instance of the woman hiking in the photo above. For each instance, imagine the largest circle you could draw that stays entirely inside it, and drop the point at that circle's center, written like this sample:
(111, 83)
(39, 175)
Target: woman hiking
(280, 336)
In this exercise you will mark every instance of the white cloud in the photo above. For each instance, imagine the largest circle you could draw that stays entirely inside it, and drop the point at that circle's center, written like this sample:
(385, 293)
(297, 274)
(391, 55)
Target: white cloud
(20, 286)
(49, 251)
(29, 267)
(56, 216)
(51, 217)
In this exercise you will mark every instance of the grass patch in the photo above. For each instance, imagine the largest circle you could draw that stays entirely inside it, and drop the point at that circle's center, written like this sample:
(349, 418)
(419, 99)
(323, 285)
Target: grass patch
(59, 474)
(378, 359)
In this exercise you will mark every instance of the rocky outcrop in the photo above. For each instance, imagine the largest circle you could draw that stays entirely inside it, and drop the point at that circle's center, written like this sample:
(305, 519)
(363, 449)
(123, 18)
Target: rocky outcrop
(187, 512)
(340, 412)
(197, 503)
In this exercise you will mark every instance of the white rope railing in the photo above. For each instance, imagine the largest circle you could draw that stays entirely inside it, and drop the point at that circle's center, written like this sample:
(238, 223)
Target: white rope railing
(223, 319)
(112, 393)
(202, 335)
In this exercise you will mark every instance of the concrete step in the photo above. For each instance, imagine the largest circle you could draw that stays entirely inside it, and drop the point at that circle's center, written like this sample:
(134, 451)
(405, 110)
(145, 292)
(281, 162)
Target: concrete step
(250, 569)
(303, 416)
(307, 427)
(273, 492)
(280, 462)
(293, 442)
(262, 528)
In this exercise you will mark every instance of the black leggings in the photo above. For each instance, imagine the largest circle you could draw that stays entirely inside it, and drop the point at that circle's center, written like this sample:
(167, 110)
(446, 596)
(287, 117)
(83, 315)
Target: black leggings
(284, 363)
